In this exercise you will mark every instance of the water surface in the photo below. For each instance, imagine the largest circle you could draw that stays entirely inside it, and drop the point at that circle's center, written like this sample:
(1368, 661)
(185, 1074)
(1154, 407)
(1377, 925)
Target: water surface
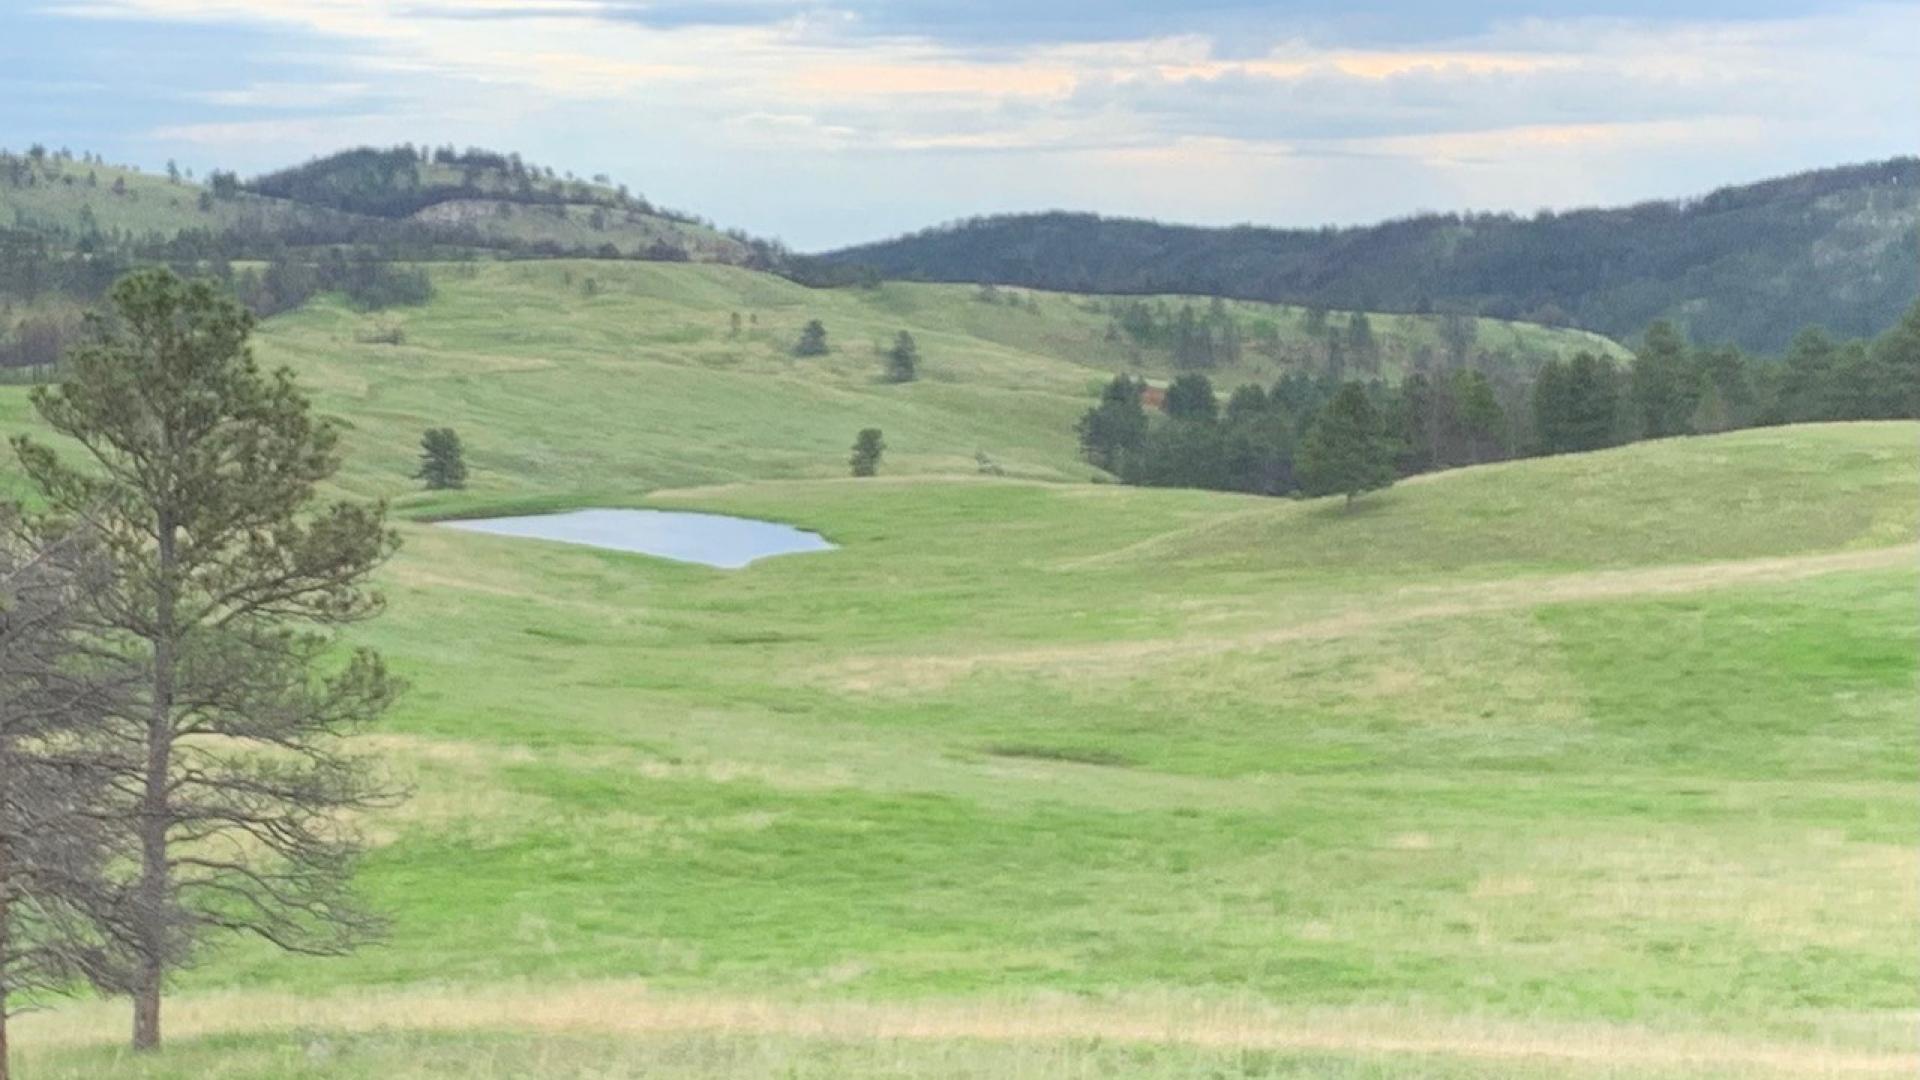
(712, 539)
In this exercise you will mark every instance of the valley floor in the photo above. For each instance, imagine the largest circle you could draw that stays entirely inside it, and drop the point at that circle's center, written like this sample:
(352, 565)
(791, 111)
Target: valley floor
(1599, 765)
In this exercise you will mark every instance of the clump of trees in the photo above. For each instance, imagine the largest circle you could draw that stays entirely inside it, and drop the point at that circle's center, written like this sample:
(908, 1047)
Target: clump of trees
(443, 461)
(1673, 388)
(903, 360)
(1115, 430)
(813, 339)
(868, 446)
(1258, 442)
(1194, 340)
(205, 582)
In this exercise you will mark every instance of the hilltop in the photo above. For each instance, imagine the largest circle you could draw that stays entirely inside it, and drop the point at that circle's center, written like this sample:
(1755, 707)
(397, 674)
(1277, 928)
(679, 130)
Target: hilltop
(472, 201)
(485, 199)
(1750, 265)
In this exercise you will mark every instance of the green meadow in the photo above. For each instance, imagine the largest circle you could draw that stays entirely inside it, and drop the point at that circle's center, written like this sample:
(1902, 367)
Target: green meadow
(576, 378)
(1600, 765)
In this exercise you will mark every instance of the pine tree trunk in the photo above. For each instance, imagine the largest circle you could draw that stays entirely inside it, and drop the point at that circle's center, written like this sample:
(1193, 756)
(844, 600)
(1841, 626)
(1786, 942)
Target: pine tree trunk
(152, 932)
(146, 1009)
(6, 947)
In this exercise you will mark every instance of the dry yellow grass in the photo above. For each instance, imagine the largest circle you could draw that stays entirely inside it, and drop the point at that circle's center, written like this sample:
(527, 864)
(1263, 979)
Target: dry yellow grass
(631, 1009)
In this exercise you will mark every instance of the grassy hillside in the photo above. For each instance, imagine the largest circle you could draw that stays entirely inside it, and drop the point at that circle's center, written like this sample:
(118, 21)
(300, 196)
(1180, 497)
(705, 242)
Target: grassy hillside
(1597, 766)
(583, 376)
(495, 199)
(66, 199)
(581, 227)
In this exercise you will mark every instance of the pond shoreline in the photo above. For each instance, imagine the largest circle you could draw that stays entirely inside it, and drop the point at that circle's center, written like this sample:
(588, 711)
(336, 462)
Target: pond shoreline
(721, 541)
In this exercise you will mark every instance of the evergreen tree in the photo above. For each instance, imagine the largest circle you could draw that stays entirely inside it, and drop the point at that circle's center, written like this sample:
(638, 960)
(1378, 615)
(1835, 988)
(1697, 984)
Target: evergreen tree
(1553, 408)
(1192, 344)
(1593, 400)
(1257, 449)
(1806, 381)
(443, 463)
(1246, 402)
(1362, 348)
(1723, 376)
(1898, 354)
(1347, 450)
(813, 339)
(1458, 331)
(226, 580)
(1415, 419)
(867, 448)
(1180, 453)
(903, 360)
(1116, 428)
(1482, 423)
(1190, 397)
(1664, 391)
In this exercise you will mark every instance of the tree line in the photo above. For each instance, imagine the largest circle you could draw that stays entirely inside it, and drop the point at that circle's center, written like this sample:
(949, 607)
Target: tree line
(175, 702)
(1749, 265)
(1319, 434)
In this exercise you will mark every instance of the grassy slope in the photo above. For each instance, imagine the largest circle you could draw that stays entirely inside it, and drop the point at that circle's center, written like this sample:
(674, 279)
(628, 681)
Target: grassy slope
(1582, 788)
(572, 226)
(580, 376)
(150, 204)
(1575, 766)
(57, 202)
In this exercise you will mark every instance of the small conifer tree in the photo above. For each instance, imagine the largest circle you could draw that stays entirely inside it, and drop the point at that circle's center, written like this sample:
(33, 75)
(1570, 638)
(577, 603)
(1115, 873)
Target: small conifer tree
(903, 360)
(867, 449)
(813, 340)
(443, 464)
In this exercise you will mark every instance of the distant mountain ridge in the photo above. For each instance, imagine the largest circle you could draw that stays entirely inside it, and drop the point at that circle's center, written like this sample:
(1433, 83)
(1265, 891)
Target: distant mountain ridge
(1750, 265)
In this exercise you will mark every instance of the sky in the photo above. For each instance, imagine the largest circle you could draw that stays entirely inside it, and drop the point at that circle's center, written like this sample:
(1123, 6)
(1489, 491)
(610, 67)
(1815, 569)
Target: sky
(833, 122)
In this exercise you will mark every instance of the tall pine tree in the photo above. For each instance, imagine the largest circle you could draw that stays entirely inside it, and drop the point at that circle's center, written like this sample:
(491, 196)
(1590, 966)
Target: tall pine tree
(227, 579)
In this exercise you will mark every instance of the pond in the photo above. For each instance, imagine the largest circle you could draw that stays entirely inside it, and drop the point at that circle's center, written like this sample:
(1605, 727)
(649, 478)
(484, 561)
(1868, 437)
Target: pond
(713, 539)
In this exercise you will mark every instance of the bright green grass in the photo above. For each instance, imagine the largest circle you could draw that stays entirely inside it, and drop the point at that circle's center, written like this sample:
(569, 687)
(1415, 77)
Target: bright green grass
(580, 378)
(1622, 740)
(1680, 805)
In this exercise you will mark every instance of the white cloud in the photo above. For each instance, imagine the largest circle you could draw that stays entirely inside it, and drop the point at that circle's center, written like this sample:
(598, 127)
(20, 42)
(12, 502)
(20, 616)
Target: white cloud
(1521, 114)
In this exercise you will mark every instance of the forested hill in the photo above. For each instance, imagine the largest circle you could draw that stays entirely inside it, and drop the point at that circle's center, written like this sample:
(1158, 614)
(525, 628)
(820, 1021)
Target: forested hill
(421, 203)
(1749, 265)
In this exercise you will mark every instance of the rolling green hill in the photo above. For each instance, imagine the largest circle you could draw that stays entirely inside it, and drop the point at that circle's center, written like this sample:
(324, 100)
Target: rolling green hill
(585, 376)
(1590, 766)
(1493, 778)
